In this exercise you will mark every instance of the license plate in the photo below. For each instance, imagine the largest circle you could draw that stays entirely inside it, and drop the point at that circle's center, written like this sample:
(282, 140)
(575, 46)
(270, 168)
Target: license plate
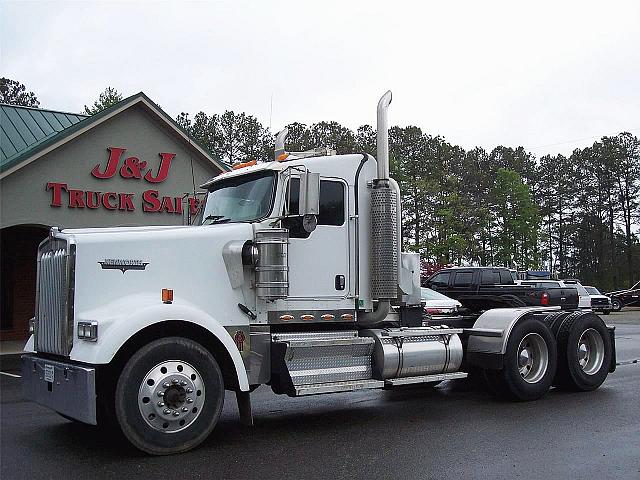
(49, 373)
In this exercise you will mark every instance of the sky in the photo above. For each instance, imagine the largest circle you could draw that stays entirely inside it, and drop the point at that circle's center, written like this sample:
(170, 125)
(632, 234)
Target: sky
(549, 76)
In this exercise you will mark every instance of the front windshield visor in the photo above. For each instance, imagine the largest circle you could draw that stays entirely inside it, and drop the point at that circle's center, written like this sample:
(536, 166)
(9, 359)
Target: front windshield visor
(246, 198)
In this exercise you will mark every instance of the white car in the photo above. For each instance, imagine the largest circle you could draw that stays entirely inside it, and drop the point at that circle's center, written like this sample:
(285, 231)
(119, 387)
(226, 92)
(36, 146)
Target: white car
(599, 302)
(435, 303)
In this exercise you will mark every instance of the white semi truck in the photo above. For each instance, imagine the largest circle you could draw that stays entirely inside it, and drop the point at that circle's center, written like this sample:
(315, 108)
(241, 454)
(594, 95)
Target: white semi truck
(294, 278)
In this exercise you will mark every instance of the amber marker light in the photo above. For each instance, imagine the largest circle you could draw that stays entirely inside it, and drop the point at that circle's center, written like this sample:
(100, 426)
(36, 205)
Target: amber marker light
(328, 316)
(250, 163)
(346, 316)
(307, 317)
(282, 157)
(167, 295)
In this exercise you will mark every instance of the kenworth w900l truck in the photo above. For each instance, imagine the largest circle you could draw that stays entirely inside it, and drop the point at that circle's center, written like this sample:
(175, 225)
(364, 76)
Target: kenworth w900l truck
(293, 278)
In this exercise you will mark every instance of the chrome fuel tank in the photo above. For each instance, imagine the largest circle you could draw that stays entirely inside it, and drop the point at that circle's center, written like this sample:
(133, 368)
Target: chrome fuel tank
(403, 352)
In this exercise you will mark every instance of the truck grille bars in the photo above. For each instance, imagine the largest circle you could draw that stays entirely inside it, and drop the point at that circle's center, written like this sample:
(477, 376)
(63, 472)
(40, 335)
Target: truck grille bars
(53, 327)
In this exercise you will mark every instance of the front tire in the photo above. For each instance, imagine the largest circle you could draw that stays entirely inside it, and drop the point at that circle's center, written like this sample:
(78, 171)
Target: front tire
(617, 304)
(529, 363)
(169, 396)
(584, 353)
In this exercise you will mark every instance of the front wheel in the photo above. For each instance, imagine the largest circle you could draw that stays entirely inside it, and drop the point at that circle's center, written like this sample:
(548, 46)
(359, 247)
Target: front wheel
(169, 396)
(617, 304)
(529, 363)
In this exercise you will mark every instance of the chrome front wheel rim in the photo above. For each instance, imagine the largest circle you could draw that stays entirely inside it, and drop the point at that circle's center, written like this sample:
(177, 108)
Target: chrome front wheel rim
(533, 358)
(171, 396)
(590, 351)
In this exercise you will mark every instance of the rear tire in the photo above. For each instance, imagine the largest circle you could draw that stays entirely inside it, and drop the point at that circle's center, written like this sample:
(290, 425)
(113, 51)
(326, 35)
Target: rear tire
(584, 353)
(529, 363)
(169, 396)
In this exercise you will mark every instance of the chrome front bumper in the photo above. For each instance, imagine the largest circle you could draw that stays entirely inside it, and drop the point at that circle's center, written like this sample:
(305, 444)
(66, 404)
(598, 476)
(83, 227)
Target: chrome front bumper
(64, 387)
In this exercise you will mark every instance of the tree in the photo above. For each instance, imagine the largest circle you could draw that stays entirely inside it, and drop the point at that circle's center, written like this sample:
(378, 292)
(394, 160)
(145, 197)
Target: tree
(13, 92)
(517, 220)
(109, 97)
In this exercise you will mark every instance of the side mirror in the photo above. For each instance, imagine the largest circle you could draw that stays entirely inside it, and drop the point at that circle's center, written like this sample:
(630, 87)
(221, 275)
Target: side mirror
(309, 206)
(309, 194)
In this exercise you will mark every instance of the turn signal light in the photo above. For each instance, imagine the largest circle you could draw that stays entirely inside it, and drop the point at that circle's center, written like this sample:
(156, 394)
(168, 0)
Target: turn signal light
(167, 295)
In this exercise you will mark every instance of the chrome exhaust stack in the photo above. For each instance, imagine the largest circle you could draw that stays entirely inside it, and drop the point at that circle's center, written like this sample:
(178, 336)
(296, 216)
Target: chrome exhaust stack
(385, 247)
(382, 136)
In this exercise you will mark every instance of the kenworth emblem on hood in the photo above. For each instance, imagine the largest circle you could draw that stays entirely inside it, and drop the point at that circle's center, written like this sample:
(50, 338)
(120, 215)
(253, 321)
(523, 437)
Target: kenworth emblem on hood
(123, 264)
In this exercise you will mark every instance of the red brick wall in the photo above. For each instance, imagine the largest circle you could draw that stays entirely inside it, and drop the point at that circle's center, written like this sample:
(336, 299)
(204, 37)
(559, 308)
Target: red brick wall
(18, 250)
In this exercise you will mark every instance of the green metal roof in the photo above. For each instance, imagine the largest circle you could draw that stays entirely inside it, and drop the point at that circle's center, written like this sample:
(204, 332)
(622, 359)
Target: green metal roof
(24, 129)
(61, 125)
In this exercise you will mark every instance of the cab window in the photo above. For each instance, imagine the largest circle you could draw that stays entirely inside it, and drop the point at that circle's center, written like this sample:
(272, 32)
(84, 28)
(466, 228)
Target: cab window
(332, 206)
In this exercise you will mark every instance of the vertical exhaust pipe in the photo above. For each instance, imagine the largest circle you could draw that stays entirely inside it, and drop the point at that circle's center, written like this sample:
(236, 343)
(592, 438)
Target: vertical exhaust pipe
(384, 227)
(382, 136)
(384, 251)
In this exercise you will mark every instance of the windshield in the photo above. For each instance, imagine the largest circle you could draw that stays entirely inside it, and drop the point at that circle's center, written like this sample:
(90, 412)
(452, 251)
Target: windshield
(592, 290)
(240, 199)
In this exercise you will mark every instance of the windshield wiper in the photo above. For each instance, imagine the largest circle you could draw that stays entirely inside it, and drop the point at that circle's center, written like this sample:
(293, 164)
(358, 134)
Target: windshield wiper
(216, 219)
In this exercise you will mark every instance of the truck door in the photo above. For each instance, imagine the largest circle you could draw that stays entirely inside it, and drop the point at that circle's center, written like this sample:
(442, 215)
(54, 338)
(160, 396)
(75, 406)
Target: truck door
(319, 261)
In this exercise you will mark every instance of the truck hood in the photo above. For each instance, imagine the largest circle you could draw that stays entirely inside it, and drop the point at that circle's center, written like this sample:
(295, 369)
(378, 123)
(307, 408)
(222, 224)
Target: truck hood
(119, 270)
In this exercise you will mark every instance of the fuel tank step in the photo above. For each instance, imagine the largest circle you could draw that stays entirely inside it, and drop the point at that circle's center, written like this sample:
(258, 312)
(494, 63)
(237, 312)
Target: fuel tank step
(394, 382)
(334, 387)
(319, 358)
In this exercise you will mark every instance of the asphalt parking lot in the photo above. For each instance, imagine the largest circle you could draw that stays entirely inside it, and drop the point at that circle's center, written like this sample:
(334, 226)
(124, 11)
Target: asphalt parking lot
(451, 431)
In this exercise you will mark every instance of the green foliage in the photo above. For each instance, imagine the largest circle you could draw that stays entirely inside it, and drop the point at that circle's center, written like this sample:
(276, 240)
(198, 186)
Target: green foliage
(109, 97)
(13, 92)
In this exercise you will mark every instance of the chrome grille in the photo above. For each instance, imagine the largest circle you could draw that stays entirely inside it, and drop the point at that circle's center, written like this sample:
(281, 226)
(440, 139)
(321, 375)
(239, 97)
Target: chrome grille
(54, 297)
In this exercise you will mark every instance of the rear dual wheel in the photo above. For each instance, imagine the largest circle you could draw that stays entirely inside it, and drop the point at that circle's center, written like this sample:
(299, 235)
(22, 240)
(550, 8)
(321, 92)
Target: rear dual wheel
(584, 353)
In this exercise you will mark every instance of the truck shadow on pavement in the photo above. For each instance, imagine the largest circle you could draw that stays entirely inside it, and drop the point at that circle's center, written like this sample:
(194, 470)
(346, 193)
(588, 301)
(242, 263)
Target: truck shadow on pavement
(289, 424)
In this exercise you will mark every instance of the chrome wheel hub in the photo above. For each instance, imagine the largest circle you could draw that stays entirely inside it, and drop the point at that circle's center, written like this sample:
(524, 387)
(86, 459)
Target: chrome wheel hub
(533, 358)
(171, 396)
(590, 351)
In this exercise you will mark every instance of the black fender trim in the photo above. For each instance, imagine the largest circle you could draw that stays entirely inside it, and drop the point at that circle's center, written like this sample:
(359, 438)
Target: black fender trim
(612, 335)
(489, 361)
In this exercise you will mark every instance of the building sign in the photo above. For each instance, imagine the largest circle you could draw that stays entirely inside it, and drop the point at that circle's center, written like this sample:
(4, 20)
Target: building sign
(129, 168)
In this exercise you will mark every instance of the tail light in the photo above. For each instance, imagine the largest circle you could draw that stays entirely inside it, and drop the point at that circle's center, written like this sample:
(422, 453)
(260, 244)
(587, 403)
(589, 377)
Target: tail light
(544, 300)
